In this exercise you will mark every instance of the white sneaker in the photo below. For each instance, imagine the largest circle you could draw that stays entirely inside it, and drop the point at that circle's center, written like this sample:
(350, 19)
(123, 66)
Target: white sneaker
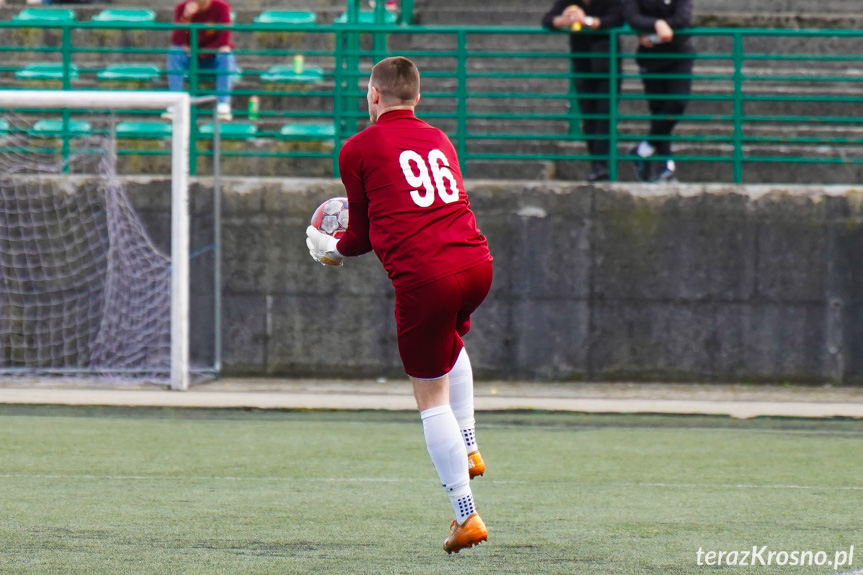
(224, 112)
(167, 115)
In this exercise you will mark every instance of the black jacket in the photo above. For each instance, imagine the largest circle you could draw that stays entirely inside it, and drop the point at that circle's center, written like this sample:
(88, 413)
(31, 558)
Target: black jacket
(609, 13)
(643, 14)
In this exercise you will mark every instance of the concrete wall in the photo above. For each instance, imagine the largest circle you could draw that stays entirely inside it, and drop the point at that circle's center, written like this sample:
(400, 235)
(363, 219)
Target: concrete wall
(619, 282)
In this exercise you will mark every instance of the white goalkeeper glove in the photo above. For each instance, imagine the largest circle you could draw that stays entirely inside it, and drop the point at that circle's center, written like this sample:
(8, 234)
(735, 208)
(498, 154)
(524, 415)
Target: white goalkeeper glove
(323, 247)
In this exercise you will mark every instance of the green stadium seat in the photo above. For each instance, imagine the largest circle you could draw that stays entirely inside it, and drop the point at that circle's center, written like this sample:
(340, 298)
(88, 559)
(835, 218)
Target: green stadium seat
(54, 128)
(122, 27)
(322, 131)
(141, 130)
(136, 15)
(129, 73)
(45, 16)
(278, 37)
(283, 73)
(367, 17)
(286, 17)
(232, 130)
(4, 127)
(45, 71)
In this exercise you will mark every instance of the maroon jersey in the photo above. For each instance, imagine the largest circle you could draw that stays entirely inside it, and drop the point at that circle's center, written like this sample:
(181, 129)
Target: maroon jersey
(407, 202)
(218, 12)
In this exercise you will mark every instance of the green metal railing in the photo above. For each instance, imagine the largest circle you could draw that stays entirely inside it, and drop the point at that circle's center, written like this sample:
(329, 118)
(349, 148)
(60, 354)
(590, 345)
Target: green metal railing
(503, 94)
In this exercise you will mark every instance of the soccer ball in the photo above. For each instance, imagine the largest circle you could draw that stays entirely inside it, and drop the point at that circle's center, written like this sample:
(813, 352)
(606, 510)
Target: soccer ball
(331, 217)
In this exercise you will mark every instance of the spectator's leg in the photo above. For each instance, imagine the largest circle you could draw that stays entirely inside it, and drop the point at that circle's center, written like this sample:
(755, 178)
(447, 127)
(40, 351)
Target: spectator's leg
(667, 110)
(677, 106)
(178, 63)
(583, 90)
(598, 88)
(655, 89)
(600, 107)
(225, 67)
(588, 105)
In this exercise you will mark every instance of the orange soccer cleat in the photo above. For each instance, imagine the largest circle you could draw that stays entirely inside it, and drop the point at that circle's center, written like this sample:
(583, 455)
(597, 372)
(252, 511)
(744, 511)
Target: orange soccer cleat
(475, 464)
(472, 532)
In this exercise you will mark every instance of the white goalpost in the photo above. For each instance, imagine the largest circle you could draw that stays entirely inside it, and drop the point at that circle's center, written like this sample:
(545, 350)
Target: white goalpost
(180, 104)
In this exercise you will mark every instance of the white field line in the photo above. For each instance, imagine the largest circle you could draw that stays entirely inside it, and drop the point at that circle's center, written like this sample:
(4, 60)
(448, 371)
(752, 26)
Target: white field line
(96, 477)
(588, 427)
(742, 486)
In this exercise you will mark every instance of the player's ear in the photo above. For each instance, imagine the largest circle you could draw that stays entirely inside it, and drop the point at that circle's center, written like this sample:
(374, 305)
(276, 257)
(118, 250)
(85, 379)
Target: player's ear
(418, 99)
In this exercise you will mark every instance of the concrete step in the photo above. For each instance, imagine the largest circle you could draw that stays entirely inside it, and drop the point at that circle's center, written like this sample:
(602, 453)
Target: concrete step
(538, 40)
(744, 6)
(479, 44)
(528, 98)
(529, 165)
(755, 172)
(467, 14)
(543, 137)
(556, 44)
(702, 104)
(168, 5)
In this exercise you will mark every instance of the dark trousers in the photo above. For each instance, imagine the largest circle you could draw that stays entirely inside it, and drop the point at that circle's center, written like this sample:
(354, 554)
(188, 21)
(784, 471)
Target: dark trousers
(593, 100)
(663, 110)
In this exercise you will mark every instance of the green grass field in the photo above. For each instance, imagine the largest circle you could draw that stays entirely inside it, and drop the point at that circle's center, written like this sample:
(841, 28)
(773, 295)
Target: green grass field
(97, 491)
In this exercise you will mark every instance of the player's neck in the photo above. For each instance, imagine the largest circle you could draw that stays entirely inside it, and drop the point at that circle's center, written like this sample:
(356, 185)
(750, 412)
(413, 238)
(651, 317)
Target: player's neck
(394, 108)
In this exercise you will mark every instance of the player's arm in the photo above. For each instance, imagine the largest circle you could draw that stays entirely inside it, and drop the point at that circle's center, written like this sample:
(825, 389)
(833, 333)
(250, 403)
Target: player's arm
(326, 249)
(356, 241)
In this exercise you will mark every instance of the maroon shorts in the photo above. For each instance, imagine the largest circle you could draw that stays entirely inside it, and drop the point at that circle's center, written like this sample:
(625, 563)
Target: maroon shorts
(431, 319)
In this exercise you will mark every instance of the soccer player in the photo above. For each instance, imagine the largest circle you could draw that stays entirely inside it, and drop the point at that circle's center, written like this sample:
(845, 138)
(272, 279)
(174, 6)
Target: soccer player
(407, 202)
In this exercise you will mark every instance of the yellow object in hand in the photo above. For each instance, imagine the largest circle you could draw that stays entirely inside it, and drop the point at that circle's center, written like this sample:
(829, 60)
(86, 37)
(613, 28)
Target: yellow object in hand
(576, 26)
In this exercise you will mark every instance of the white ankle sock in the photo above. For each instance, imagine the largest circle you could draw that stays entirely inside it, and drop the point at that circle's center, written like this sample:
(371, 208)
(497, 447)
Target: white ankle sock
(463, 507)
(461, 399)
(448, 453)
(645, 150)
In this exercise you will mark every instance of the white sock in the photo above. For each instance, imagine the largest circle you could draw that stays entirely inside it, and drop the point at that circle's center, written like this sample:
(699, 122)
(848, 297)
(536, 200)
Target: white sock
(461, 399)
(645, 150)
(463, 506)
(448, 453)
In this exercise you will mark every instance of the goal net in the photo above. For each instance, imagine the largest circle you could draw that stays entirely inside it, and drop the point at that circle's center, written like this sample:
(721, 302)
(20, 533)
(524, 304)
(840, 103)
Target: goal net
(84, 291)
